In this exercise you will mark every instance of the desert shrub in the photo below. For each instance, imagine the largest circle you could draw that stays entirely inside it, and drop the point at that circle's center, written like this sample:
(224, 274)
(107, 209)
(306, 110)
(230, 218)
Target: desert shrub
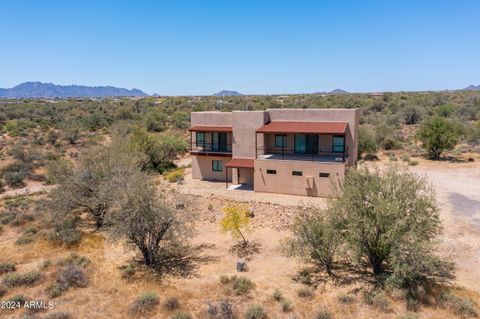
(128, 271)
(408, 315)
(277, 295)
(74, 259)
(255, 312)
(71, 275)
(224, 279)
(412, 115)
(180, 120)
(25, 239)
(58, 315)
(315, 237)
(323, 314)
(286, 305)
(58, 171)
(242, 285)
(224, 310)
(3, 291)
(23, 279)
(155, 121)
(462, 307)
(45, 264)
(55, 291)
(71, 134)
(437, 135)
(175, 175)
(18, 299)
(6, 267)
(171, 303)
(305, 292)
(182, 315)
(65, 231)
(377, 299)
(346, 298)
(146, 302)
(413, 163)
(367, 144)
(15, 173)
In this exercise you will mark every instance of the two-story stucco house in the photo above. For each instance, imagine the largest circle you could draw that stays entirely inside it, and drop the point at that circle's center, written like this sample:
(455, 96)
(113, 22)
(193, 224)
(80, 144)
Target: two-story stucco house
(288, 151)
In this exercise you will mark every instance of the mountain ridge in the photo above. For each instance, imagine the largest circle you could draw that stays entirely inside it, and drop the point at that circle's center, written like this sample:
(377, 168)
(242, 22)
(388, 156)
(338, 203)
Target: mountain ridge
(37, 89)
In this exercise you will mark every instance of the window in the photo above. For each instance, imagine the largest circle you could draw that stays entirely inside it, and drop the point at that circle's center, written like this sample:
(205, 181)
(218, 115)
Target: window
(271, 172)
(200, 139)
(325, 175)
(280, 140)
(297, 173)
(219, 141)
(217, 165)
(338, 144)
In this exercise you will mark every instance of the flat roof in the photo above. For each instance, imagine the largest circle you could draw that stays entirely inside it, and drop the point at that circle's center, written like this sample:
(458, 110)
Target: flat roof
(304, 127)
(211, 128)
(240, 163)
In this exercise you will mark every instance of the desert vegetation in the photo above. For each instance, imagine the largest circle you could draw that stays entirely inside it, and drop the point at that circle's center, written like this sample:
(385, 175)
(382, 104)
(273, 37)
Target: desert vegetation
(91, 215)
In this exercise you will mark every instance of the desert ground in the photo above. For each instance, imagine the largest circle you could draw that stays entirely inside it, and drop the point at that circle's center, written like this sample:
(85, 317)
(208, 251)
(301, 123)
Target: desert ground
(108, 295)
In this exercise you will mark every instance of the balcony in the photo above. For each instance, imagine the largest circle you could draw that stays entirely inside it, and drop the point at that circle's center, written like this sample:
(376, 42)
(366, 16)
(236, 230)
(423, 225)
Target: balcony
(211, 149)
(290, 155)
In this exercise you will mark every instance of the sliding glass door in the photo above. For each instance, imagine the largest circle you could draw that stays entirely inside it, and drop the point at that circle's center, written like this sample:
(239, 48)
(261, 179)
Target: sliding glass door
(219, 141)
(306, 143)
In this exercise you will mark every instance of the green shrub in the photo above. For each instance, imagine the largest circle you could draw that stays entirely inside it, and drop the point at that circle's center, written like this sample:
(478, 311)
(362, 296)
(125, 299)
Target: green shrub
(25, 279)
(71, 275)
(175, 175)
(242, 285)
(255, 312)
(74, 259)
(438, 135)
(408, 315)
(145, 303)
(7, 267)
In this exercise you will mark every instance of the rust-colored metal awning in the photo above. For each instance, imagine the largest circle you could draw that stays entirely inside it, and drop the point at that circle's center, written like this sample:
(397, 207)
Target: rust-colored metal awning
(210, 128)
(304, 127)
(240, 163)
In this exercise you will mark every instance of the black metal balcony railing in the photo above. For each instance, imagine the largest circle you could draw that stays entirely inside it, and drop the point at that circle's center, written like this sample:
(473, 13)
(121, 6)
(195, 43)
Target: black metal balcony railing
(211, 147)
(290, 154)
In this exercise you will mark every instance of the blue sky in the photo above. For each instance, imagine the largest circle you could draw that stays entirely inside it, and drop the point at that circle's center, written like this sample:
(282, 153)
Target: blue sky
(181, 47)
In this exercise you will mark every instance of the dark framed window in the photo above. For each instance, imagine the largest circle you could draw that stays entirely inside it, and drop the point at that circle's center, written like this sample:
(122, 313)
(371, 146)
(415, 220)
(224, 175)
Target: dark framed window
(271, 172)
(280, 140)
(217, 165)
(325, 175)
(200, 139)
(338, 144)
(297, 173)
(306, 144)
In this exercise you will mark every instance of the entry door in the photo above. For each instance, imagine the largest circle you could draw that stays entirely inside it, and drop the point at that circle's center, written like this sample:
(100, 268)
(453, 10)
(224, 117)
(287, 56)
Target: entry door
(219, 141)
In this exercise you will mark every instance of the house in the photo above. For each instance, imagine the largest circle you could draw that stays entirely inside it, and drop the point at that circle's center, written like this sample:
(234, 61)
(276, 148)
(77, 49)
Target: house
(287, 151)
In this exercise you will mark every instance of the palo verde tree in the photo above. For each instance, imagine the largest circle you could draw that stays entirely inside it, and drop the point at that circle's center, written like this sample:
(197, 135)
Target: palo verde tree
(234, 221)
(437, 135)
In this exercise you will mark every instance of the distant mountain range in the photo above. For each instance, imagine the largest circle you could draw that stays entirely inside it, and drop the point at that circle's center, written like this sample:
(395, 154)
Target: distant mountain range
(50, 90)
(227, 93)
(472, 88)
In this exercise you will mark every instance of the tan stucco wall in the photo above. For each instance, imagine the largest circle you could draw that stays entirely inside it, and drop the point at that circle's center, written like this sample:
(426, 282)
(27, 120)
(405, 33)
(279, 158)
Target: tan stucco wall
(211, 118)
(246, 176)
(245, 123)
(285, 183)
(202, 168)
(352, 116)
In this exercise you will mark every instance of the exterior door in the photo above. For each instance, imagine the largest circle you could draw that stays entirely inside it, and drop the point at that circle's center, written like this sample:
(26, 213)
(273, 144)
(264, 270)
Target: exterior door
(219, 141)
(306, 144)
